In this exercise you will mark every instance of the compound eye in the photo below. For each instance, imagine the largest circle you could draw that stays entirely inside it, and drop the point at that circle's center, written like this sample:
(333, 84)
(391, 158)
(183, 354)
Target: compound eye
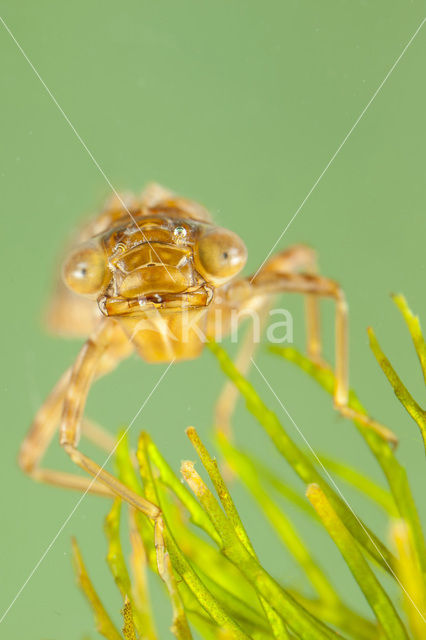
(220, 254)
(85, 271)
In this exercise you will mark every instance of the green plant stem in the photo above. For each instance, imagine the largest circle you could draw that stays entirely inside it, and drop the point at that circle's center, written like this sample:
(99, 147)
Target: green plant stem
(115, 558)
(282, 525)
(140, 591)
(413, 324)
(299, 461)
(104, 623)
(303, 624)
(404, 396)
(179, 563)
(241, 610)
(395, 473)
(202, 594)
(221, 572)
(338, 613)
(220, 576)
(277, 625)
(377, 598)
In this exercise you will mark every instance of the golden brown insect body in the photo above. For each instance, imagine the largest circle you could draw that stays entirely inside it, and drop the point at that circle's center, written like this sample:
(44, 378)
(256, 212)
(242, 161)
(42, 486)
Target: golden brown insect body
(155, 275)
(155, 286)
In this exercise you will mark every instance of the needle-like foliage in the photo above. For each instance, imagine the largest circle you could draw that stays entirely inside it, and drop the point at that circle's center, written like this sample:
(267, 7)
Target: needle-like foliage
(203, 554)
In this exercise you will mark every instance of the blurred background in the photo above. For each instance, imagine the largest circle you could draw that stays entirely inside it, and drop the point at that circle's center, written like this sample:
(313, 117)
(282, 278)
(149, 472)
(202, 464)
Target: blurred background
(239, 105)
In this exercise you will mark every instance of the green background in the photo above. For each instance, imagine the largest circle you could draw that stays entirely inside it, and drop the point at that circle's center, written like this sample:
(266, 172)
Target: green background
(238, 104)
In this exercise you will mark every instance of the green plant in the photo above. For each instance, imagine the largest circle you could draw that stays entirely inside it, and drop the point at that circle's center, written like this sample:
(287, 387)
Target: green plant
(203, 553)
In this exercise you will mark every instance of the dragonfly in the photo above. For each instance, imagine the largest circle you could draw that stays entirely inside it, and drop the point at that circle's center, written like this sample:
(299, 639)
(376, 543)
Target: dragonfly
(153, 275)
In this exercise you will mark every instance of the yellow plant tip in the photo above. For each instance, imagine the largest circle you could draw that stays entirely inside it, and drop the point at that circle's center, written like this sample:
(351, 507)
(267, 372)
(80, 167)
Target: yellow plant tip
(313, 491)
(192, 434)
(401, 302)
(144, 438)
(399, 298)
(184, 495)
(410, 318)
(413, 323)
(187, 467)
(417, 413)
(201, 450)
(190, 431)
(76, 554)
(399, 531)
(192, 478)
(104, 623)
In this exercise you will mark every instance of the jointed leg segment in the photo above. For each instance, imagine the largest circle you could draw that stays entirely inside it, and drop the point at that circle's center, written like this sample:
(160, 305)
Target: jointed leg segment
(69, 397)
(301, 258)
(269, 281)
(292, 260)
(38, 439)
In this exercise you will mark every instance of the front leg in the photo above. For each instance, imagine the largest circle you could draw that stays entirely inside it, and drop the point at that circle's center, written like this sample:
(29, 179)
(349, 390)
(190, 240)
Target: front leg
(301, 259)
(292, 260)
(48, 417)
(78, 387)
(38, 439)
(241, 292)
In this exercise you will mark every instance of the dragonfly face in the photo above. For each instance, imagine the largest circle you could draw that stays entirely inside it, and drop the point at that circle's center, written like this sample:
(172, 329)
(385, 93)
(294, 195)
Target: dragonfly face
(159, 261)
